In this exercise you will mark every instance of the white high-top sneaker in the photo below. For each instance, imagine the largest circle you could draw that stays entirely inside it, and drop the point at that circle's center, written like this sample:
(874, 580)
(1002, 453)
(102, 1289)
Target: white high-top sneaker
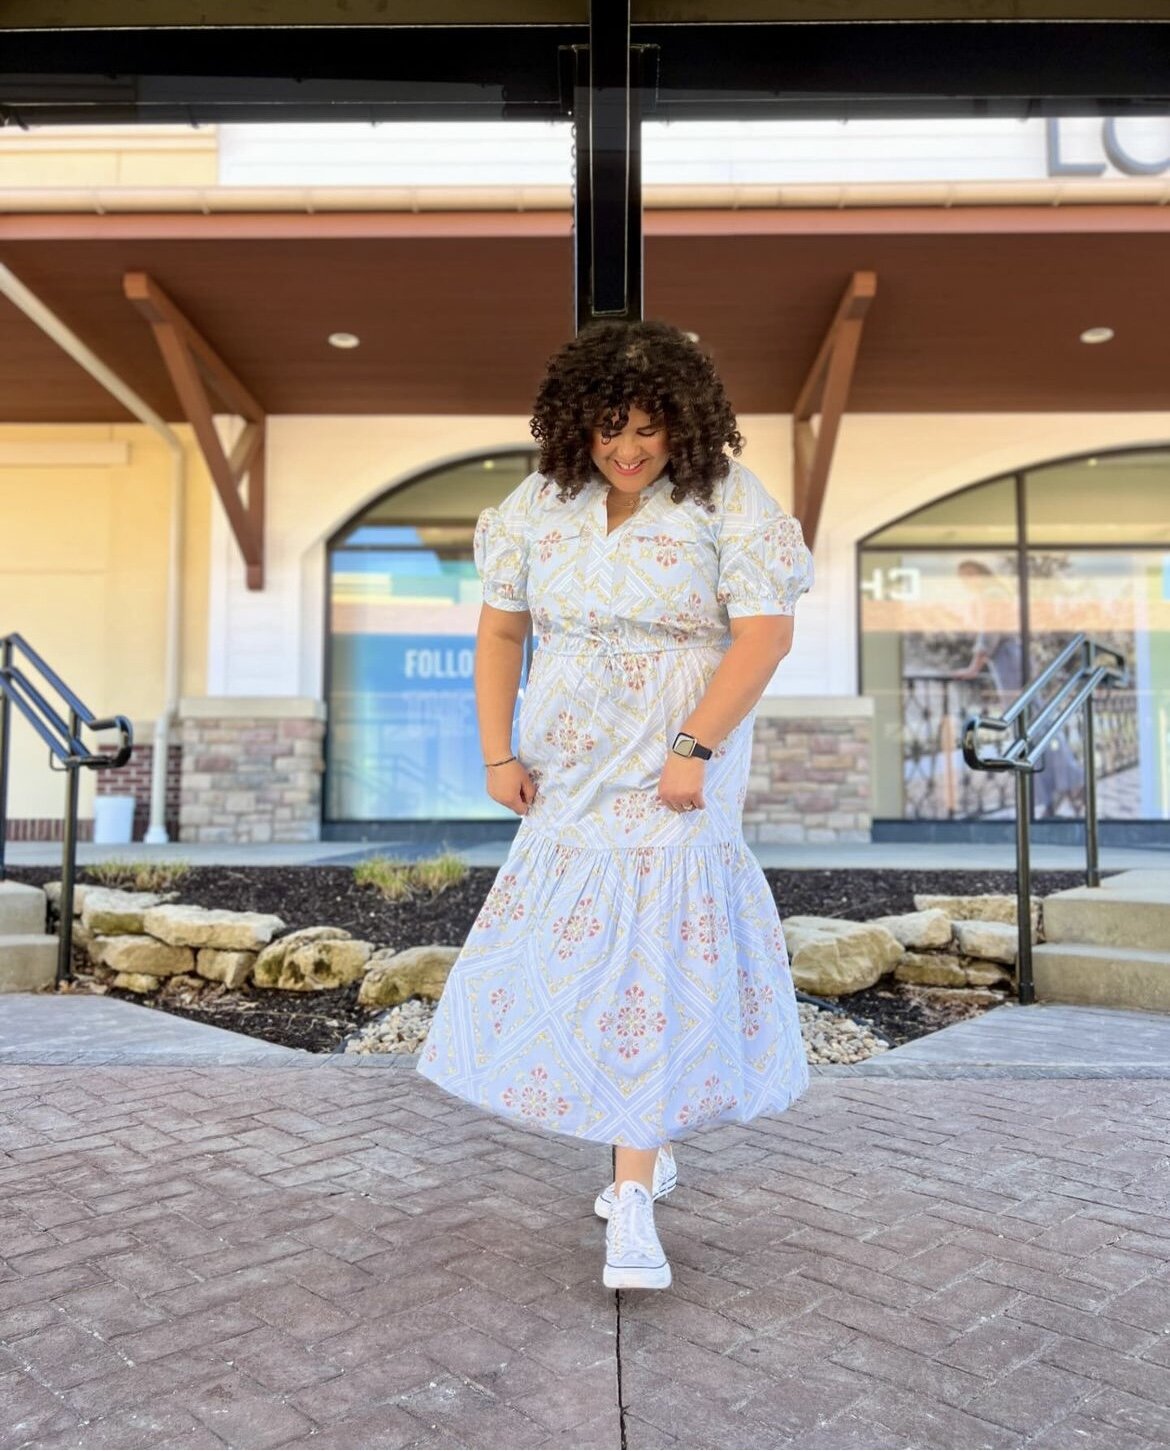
(665, 1179)
(634, 1257)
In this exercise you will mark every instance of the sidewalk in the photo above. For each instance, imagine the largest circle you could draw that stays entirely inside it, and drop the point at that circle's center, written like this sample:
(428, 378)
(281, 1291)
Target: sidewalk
(803, 856)
(340, 1254)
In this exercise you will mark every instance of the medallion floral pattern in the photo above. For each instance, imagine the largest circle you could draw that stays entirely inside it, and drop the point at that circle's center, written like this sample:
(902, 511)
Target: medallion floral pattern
(626, 979)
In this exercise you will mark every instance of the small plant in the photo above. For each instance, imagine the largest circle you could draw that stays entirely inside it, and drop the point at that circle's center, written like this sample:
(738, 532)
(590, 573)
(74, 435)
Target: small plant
(138, 876)
(440, 872)
(391, 878)
(396, 880)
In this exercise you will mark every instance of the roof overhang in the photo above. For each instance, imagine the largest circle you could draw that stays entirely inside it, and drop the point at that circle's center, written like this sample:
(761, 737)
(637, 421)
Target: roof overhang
(977, 309)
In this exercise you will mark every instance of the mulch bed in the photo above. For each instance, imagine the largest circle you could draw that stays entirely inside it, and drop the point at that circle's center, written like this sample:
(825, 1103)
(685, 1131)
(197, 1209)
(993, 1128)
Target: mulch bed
(329, 896)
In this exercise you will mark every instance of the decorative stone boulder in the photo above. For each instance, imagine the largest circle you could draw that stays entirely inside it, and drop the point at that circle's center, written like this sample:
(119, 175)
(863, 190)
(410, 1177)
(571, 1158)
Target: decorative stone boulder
(111, 912)
(137, 982)
(80, 890)
(417, 972)
(204, 927)
(141, 956)
(992, 941)
(266, 969)
(983, 907)
(829, 956)
(986, 974)
(314, 959)
(230, 968)
(931, 969)
(919, 931)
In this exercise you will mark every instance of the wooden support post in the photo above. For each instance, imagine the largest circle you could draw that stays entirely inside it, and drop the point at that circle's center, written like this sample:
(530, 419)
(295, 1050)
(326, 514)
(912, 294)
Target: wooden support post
(196, 369)
(826, 391)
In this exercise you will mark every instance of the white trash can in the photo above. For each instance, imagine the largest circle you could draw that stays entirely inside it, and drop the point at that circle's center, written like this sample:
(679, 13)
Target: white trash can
(113, 819)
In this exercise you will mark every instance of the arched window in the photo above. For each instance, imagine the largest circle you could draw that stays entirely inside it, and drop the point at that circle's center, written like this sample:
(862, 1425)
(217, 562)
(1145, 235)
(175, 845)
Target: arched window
(965, 600)
(403, 600)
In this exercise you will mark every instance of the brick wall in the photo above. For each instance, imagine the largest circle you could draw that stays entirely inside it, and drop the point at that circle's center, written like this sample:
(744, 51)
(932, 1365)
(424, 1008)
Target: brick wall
(811, 770)
(252, 769)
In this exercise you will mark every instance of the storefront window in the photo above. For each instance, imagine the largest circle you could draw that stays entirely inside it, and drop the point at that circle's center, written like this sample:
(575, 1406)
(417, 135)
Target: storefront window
(404, 601)
(950, 632)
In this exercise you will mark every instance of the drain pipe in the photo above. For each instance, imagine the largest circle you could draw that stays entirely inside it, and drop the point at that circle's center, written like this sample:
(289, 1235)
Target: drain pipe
(48, 321)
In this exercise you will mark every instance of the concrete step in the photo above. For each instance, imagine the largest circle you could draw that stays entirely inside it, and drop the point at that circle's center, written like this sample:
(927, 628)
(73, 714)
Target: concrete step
(1133, 915)
(28, 960)
(22, 908)
(1113, 977)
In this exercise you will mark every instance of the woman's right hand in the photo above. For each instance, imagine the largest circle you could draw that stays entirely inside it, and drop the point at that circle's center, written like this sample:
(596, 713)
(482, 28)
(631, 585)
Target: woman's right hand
(512, 786)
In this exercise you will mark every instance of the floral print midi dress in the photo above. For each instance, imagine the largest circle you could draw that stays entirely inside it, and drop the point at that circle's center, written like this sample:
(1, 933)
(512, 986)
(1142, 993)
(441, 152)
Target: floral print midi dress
(626, 979)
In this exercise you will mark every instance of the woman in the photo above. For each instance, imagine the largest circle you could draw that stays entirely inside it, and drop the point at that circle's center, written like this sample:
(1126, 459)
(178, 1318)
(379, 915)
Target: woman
(626, 979)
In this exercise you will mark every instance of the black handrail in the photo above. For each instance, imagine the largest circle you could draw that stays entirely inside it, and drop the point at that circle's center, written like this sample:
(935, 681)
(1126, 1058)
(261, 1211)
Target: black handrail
(64, 742)
(1024, 757)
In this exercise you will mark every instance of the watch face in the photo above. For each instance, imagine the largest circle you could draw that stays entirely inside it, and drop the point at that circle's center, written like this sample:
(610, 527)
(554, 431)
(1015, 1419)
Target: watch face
(684, 745)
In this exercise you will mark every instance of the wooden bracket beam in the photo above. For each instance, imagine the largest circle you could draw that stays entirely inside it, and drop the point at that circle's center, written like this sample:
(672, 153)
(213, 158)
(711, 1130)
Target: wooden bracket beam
(196, 369)
(826, 391)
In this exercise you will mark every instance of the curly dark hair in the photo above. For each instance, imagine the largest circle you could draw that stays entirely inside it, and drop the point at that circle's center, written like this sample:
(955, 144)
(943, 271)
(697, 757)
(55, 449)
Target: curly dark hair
(610, 367)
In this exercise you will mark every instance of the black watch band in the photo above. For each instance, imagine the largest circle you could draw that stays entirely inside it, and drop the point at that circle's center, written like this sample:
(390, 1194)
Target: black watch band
(690, 747)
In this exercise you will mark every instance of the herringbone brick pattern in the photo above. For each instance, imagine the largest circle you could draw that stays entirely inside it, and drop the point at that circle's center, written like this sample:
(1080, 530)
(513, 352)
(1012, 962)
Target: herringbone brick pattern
(338, 1257)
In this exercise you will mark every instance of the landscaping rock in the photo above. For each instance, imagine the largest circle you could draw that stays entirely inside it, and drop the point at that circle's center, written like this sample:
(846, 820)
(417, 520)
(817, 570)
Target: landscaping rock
(205, 927)
(932, 969)
(141, 956)
(919, 931)
(80, 889)
(975, 996)
(392, 977)
(267, 967)
(992, 941)
(986, 974)
(830, 956)
(983, 907)
(233, 969)
(111, 912)
(136, 982)
(316, 966)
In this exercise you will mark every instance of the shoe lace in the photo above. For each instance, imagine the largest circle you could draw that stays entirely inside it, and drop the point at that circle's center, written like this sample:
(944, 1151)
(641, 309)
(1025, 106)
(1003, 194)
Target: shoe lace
(633, 1225)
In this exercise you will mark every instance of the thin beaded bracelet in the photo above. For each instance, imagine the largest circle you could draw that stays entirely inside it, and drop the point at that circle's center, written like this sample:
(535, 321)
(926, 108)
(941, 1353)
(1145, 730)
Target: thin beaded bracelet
(499, 763)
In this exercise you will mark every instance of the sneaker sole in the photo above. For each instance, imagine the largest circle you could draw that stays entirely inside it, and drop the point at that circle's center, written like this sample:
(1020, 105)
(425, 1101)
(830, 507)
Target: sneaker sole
(616, 1278)
(601, 1205)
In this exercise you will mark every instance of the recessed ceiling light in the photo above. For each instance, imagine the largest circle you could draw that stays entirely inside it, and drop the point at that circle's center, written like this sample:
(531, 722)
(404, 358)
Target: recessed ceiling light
(489, 463)
(1096, 335)
(343, 340)
(1091, 462)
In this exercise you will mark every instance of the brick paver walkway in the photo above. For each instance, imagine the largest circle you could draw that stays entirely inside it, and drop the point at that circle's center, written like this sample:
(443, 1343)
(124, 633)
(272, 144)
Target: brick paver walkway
(339, 1256)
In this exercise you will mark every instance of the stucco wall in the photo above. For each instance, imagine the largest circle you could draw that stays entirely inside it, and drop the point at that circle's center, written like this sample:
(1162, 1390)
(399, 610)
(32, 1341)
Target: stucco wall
(84, 542)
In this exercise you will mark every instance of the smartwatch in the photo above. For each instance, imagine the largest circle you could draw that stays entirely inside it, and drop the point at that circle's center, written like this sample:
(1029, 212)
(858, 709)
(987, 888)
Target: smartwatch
(686, 745)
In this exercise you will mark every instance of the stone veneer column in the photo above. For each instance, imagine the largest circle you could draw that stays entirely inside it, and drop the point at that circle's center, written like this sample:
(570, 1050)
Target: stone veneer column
(253, 768)
(811, 771)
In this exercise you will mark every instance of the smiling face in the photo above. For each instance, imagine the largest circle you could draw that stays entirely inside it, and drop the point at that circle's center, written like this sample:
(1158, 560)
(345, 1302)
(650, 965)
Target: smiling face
(634, 457)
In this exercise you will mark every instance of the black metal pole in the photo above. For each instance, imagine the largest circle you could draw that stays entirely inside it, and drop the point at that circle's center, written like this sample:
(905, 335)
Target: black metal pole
(68, 861)
(1089, 749)
(607, 195)
(1027, 991)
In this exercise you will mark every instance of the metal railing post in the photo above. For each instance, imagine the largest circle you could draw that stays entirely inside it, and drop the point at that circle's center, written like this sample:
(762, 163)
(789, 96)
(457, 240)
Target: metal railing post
(68, 862)
(5, 735)
(1089, 749)
(1024, 984)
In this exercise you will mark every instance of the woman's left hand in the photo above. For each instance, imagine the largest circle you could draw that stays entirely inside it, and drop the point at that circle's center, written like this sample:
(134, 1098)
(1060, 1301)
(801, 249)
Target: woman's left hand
(681, 782)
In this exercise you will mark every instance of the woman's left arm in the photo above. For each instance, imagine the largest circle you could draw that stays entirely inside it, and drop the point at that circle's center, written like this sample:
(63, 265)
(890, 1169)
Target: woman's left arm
(758, 644)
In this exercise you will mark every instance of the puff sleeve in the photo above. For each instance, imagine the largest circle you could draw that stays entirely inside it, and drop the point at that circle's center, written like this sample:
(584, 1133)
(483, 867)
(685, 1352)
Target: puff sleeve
(764, 565)
(501, 560)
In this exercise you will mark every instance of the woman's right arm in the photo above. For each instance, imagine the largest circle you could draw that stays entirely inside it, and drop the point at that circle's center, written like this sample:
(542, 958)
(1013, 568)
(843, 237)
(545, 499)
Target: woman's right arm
(499, 659)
